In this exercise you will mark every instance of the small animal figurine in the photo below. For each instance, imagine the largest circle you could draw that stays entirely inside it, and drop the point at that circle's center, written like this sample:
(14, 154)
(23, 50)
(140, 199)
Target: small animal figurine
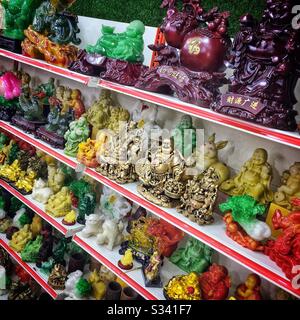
(250, 290)
(93, 225)
(111, 234)
(126, 262)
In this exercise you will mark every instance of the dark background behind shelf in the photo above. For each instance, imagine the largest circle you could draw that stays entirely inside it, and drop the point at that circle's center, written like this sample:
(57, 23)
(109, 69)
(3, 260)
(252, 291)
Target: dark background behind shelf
(150, 13)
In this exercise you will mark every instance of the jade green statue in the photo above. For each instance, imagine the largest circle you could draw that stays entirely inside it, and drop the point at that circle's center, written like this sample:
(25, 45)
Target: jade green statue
(194, 257)
(3, 140)
(185, 138)
(13, 153)
(83, 288)
(45, 91)
(78, 132)
(59, 251)
(19, 15)
(31, 251)
(128, 46)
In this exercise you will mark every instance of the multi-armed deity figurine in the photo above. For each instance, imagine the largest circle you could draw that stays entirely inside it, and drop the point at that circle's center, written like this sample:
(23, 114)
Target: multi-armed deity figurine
(51, 35)
(116, 56)
(266, 62)
(191, 65)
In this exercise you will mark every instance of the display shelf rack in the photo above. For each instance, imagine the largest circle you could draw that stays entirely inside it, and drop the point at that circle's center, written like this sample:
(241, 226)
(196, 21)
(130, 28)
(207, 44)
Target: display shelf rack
(212, 235)
(287, 138)
(134, 277)
(67, 231)
(41, 279)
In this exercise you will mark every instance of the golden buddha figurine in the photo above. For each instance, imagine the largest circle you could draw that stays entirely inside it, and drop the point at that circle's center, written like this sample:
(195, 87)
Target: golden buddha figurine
(290, 187)
(161, 175)
(20, 238)
(87, 151)
(254, 179)
(56, 177)
(11, 172)
(26, 182)
(59, 204)
(98, 286)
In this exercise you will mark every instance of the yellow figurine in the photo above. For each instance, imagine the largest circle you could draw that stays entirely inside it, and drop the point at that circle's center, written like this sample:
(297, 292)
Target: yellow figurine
(20, 238)
(59, 204)
(11, 172)
(126, 262)
(98, 286)
(70, 218)
(56, 177)
(26, 183)
(254, 179)
(87, 153)
(36, 225)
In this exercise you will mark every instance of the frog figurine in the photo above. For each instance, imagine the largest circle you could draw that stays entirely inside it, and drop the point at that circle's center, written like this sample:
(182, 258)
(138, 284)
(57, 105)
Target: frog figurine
(60, 203)
(78, 132)
(20, 238)
(290, 187)
(254, 179)
(194, 257)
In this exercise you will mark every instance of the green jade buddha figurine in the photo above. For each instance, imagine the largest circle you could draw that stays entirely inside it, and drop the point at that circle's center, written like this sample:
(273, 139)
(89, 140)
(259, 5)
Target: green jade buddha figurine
(78, 132)
(128, 46)
(31, 251)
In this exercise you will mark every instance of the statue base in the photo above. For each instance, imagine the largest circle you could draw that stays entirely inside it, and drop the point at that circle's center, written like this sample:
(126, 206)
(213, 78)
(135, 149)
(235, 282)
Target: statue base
(6, 113)
(10, 44)
(199, 88)
(197, 216)
(267, 113)
(157, 196)
(121, 175)
(26, 125)
(155, 283)
(55, 140)
(138, 255)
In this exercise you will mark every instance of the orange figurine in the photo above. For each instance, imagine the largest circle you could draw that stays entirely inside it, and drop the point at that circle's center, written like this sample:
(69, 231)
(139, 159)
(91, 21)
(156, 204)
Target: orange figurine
(77, 104)
(250, 290)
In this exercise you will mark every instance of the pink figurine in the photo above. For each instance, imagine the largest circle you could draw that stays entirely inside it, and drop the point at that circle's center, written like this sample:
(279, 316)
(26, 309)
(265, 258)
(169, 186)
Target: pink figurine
(10, 86)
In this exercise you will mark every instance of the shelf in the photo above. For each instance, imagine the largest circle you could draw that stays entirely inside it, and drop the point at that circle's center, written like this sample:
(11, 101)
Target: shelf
(134, 277)
(67, 231)
(212, 235)
(41, 279)
(287, 138)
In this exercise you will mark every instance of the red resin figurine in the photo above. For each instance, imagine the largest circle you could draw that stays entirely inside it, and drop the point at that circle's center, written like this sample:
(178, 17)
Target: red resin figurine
(285, 250)
(23, 275)
(250, 290)
(215, 283)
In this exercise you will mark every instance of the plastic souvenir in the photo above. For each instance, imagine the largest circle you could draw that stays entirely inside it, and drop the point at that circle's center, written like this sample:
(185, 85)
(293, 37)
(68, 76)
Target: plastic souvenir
(191, 65)
(41, 192)
(111, 234)
(22, 217)
(250, 290)
(194, 257)
(60, 203)
(51, 35)
(46, 248)
(11, 172)
(161, 176)
(116, 57)
(5, 224)
(26, 181)
(59, 251)
(215, 283)
(183, 287)
(31, 250)
(10, 231)
(20, 238)
(78, 132)
(36, 225)
(126, 262)
(56, 177)
(87, 153)
(70, 218)
(285, 249)
(264, 56)
(45, 91)
(106, 275)
(290, 187)
(198, 199)
(254, 179)
(18, 16)
(151, 271)
(58, 277)
(241, 222)
(98, 286)
(71, 282)
(93, 223)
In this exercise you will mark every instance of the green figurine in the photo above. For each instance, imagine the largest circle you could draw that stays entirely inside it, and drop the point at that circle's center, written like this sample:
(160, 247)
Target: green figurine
(19, 14)
(31, 251)
(45, 91)
(78, 132)
(2, 208)
(15, 205)
(13, 153)
(59, 252)
(185, 137)
(194, 257)
(128, 46)
(83, 288)
(32, 108)
(3, 140)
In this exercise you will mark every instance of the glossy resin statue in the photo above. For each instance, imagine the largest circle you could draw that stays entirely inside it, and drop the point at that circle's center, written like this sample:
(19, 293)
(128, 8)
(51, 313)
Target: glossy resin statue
(250, 290)
(254, 179)
(191, 65)
(116, 56)
(151, 271)
(266, 65)
(52, 33)
(20, 238)
(60, 203)
(241, 222)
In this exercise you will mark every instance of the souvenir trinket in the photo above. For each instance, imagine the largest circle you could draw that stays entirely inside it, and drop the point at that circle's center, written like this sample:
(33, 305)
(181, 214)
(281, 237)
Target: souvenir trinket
(215, 283)
(111, 234)
(70, 284)
(98, 286)
(93, 223)
(183, 287)
(31, 250)
(60, 203)
(250, 290)
(254, 179)
(70, 218)
(191, 65)
(151, 271)
(198, 199)
(47, 246)
(36, 225)
(87, 153)
(264, 55)
(284, 250)
(20, 238)
(58, 277)
(20, 291)
(41, 192)
(241, 222)
(126, 262)
(194, 257)
(116, 57)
